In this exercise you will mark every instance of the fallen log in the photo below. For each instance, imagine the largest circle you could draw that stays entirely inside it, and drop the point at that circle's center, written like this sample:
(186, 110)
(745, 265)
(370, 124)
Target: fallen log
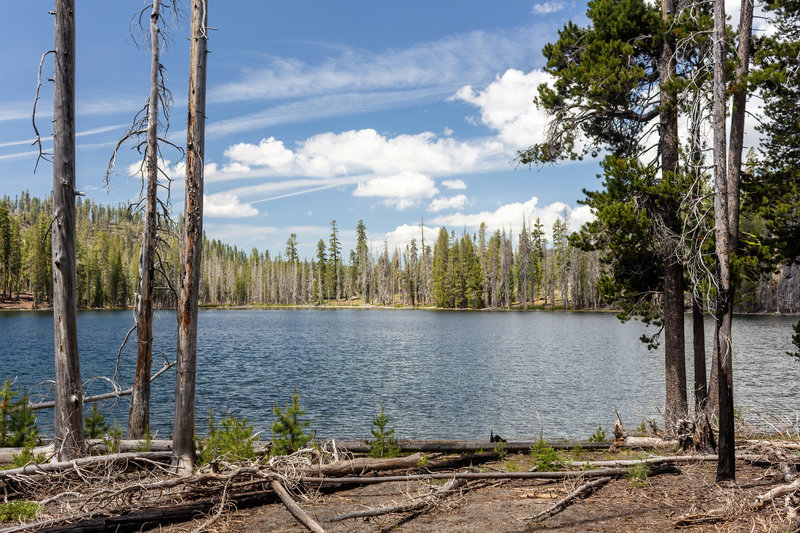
(366, 480)
(648, 460)
(100, 397)
(98, 460)
(777, 492)
(789, 445)
(422, 503)
(137, 520)
(466, 446)
(452, 463)
(563, 503)
(297, 512)
(361, 465)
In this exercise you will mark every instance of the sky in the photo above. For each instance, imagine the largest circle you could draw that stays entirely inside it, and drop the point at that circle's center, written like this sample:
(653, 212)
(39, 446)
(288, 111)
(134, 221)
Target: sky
(390, 112)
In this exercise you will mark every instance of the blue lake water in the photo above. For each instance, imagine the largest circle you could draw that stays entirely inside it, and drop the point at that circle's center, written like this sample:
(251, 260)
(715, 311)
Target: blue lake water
(439, 374)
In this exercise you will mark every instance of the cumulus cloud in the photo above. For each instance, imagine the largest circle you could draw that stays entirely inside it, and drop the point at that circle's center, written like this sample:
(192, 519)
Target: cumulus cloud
(401, 191)
(226, 205)
(506, 105)
(402, 235)
(454, 184)
(510, 216)
(544, 8)
(453, 202)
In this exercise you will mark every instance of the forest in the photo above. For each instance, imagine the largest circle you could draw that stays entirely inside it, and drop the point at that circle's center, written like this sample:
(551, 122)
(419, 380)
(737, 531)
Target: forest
(495, 270)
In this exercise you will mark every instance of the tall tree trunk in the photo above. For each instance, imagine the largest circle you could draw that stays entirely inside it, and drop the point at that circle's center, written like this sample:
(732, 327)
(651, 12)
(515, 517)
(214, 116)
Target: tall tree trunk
(726, 465)
(139, 419)
(183, 437)
(727, 200)
(674, 343)
(699, 342)
(68, 422)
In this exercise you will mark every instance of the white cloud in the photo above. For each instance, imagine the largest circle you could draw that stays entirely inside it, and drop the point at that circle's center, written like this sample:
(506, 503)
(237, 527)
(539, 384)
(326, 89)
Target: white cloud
(509, 217)
(454, 184)
(226, 205)
(544, 8)
(401, 191)
(453, 202)
(507, 106)
(362, 152)
(447, 62)
(402, 235)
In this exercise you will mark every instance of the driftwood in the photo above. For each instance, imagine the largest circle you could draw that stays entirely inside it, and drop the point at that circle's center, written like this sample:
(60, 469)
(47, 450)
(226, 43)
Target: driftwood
(136, 520)
(466, 446)
(648, 460)
(427, 501)
(623, 440)
(563, 503)
(297, 512)
(365, 464)
(100, 460)
(777, 492)
(693, 519)
(101, 397)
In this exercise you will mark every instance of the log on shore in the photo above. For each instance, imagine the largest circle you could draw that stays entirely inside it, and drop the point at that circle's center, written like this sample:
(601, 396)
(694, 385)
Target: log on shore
(139, 520)
(360, 465)
(462, 446)
(98, 460)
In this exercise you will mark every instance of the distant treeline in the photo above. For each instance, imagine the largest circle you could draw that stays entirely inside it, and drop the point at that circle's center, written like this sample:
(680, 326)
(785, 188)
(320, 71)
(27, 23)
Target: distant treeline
(467, 271)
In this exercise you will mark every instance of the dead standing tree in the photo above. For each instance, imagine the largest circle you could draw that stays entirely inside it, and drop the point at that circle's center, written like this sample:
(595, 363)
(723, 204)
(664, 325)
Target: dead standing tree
(192, 245)
(68, 423)
(147, 123)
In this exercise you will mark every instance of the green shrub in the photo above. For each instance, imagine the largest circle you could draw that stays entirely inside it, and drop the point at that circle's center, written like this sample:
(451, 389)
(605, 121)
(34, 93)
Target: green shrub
(637, 474)
(231, 441)
(599, 435)
(641, 431)
(500, 450)
(26, 456)
(17, 421)
(288, 430)
(146, 444)
(385, 444)
(544, 458)
(94, 423)
(18, 511)
(112, 438)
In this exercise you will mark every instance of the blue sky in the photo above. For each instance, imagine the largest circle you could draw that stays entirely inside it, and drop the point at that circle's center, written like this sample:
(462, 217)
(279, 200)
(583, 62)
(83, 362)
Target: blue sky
(389, 112)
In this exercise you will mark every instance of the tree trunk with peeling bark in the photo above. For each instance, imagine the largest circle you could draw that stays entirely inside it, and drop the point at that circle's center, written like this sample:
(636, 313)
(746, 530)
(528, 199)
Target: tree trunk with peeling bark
(139, 419)
(191, 251)
(68, 422)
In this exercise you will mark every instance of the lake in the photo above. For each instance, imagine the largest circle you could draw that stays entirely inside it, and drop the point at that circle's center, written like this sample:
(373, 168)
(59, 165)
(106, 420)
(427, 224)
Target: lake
(439, 374)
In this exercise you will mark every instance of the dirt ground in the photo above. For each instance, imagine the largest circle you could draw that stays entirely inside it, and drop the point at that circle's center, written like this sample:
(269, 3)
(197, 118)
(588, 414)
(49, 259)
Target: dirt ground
(619, 506)
(24, 301)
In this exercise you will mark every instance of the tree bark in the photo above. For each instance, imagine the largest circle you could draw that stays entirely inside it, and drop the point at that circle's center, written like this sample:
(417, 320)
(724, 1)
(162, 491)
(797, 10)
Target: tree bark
(68, 422)
(726, 465)
(674, 343)
(139, 418)
(183, 440)
(699, 342)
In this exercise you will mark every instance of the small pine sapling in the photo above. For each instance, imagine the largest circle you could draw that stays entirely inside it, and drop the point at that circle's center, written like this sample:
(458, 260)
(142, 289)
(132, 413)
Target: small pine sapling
(385, 443)
(544, 458)
(94, 423)
(599, 435)
(288, 430)
(21, 423)
(6, 407)
(26, 456)
(113, 438)
(231, 441)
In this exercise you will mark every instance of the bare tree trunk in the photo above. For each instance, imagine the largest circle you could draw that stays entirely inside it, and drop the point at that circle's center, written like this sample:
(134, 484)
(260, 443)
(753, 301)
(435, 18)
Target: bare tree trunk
(68, 423)
(726, 464)
(139, 419)
(183, 437)
(699, 344)
(674, 343)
